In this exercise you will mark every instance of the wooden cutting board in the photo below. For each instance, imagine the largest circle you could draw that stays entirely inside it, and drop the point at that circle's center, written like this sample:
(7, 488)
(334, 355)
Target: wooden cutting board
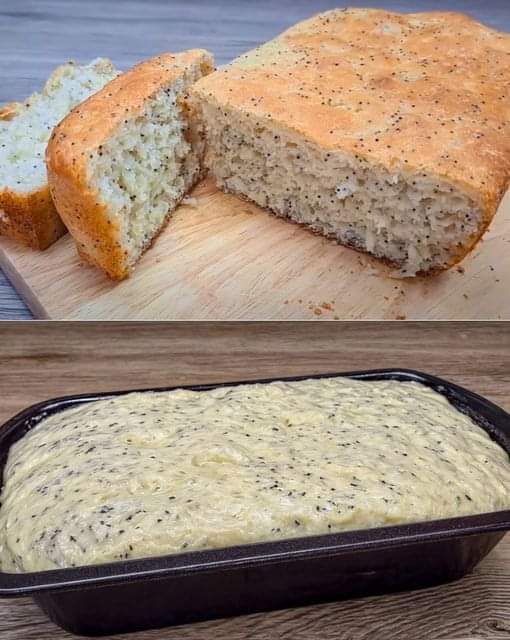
(224, 258)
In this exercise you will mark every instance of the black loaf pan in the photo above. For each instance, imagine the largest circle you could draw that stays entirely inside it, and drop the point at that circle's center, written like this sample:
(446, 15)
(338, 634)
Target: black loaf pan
(175, 589)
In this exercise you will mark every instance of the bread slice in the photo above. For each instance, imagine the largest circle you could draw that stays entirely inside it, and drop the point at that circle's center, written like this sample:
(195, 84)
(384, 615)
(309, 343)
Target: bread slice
(389, 133)
(27, 213)
(121, 162)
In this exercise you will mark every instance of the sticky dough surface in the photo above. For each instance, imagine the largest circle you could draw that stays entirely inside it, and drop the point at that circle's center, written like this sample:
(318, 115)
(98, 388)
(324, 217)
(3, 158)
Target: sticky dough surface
(149, 474)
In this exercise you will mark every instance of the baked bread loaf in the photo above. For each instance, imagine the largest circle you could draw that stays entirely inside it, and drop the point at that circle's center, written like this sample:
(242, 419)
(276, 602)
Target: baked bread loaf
(148, 474)
(121, 162)
(389, 133)
(27, 213)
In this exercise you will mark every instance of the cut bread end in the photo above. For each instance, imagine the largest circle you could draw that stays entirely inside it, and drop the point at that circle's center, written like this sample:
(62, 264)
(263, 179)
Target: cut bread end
(27, 213)
(414, 221)
(137, 173)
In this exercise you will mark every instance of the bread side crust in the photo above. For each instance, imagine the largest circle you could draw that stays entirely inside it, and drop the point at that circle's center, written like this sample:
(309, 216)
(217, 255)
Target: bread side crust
(30, 218)
(9, 110)
(83, 131)
(342, 80)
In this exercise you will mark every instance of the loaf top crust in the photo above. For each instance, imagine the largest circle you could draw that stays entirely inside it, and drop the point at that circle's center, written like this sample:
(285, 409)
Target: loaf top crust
(417, 93)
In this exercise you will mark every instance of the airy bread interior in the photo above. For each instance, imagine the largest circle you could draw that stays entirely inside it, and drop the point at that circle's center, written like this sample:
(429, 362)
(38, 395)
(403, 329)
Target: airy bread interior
(412, 220)
(145, 168)
(23, 138)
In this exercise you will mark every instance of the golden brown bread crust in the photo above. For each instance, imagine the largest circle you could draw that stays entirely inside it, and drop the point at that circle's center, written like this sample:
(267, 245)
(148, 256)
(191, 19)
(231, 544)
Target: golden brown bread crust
(418, 93)
(30, 218)
(83, 131)
(9, 110)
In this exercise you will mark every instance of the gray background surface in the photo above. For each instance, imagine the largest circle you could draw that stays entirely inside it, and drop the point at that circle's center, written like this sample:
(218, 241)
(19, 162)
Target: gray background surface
(38, 35)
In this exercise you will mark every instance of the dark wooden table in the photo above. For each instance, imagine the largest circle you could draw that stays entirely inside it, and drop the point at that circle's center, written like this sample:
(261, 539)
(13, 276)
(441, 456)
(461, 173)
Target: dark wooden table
(38, 35)
(40, 360)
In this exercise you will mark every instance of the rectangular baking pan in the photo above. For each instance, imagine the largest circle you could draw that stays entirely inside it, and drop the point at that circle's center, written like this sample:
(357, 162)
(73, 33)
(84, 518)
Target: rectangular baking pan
(175, 589)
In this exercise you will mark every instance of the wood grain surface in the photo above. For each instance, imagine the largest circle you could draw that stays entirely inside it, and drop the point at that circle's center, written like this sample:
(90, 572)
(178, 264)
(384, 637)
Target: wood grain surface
(41, 360)
(37, 35)
(227, 259)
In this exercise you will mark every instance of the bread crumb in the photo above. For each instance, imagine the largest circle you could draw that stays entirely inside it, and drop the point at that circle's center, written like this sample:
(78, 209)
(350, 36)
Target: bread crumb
(460, 269)
(317, 311)
(401, 317)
